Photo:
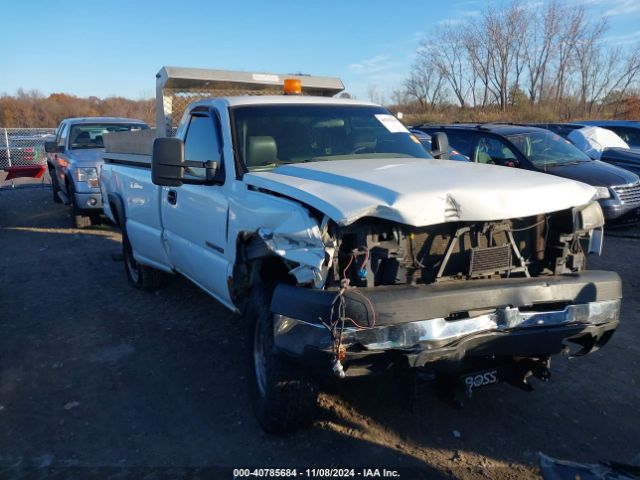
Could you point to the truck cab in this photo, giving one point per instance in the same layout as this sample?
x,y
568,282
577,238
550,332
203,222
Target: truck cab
x,y
74,159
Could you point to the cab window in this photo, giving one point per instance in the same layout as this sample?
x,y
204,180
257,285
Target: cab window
x,y
62,135
201,144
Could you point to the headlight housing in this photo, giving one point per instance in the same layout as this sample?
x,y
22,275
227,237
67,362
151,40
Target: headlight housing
x,y
89,175
588,217
602,193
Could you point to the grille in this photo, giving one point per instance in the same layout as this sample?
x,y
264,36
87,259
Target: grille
x,y
628,194
490,260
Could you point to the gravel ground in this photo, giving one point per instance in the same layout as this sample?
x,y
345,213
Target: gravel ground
x,y
100,380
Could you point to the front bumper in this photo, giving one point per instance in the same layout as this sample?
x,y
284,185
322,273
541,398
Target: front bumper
x,y
90,202
616,213
451,323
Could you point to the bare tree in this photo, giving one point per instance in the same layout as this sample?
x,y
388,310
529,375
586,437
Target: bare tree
x,y
593,68
572,25
540,47
448,53
477,50
627,75
525,54
375,95
504,30
425,82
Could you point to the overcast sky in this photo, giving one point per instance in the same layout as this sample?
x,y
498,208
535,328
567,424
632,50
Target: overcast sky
x,y
116,47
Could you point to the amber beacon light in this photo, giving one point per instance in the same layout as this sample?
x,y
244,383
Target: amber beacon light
x,y
292,86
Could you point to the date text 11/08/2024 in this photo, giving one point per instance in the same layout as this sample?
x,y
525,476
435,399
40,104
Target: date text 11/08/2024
x,y
315,473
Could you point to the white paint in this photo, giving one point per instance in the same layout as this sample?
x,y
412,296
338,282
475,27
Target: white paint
x,y
593,140
391,123
286,99
421,192
265,77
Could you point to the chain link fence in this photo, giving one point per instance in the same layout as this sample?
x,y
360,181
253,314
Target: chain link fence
x,y
21,148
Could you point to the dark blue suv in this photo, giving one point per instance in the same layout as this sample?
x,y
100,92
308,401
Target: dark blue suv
x,y
540,150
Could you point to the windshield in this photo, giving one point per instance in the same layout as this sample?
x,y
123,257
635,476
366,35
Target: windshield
x,y
546,149
272,135
89,135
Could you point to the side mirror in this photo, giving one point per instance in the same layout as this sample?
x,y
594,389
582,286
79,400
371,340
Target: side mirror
x,y
168,165
440,145
51,147
167,162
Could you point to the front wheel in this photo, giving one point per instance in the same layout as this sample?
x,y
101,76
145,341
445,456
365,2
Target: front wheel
x,y
80,220
55,187
284,398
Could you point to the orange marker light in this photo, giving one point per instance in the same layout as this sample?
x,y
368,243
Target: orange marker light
x,y
292,86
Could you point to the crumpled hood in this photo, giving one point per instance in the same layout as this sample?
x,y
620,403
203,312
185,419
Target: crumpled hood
x,y
421,192
86,157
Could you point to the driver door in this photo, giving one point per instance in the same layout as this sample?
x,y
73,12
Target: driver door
x,y
195,216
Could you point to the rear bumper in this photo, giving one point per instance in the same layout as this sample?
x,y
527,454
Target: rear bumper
x,y
451,324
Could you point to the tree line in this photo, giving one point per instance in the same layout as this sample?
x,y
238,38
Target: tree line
x,y
550,61
32,109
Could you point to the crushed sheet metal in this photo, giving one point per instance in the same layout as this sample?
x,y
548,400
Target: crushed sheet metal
x,y
293,335
302,244
287,230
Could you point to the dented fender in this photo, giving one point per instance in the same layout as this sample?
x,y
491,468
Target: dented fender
x,y
288,230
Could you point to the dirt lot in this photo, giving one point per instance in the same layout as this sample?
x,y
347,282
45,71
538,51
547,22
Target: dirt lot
x,y
100,379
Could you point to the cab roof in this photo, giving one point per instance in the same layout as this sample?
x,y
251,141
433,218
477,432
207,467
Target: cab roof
x,y
104,120
284,100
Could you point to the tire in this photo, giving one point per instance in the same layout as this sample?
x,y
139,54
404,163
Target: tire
x,y
283,397
140,276
79,219
55,187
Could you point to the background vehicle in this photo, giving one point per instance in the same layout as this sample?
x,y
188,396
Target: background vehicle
x,y
619,156
562,129
347,250
628,130
23,150
536,149
74,159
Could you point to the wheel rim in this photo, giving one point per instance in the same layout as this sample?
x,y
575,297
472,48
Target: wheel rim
x,y
259,360
132,266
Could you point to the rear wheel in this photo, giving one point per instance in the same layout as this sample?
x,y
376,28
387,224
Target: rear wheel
x,y
140,276
284,398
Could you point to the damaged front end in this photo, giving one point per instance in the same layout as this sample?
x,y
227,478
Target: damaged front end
x,y
443,297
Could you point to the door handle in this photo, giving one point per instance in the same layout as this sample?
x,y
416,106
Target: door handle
x,y
172,197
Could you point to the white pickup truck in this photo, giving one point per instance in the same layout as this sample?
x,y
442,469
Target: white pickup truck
x,y
347,249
